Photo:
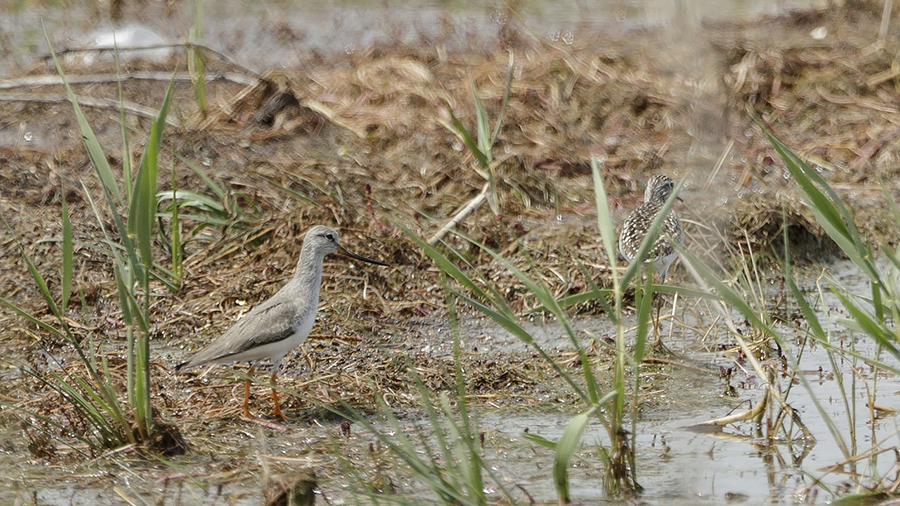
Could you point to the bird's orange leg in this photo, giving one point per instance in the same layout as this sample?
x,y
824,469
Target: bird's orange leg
x,y
277,411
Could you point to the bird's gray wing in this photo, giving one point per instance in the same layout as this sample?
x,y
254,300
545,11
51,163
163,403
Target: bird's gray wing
x,y
268,323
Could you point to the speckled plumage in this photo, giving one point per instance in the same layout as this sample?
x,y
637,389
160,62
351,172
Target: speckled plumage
x,y
639,221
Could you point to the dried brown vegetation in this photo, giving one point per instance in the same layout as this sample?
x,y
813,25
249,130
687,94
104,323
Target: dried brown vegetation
x,y
365,138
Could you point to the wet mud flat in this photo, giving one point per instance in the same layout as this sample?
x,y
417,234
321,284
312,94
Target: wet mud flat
x,y
362,142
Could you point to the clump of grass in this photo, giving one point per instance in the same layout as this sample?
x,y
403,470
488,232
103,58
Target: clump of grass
x,y
109,417
483,143
867,314
871,315
481,146
603,401
444,454
178,208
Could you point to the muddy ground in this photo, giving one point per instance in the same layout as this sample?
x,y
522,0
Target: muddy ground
x,y
363,142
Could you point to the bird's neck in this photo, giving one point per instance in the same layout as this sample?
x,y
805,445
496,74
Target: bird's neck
x,y
658,198
309,270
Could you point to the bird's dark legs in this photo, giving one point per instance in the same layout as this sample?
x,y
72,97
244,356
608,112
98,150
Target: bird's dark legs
x,y
658,299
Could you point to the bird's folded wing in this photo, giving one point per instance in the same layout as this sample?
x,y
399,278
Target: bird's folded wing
x,y
269,323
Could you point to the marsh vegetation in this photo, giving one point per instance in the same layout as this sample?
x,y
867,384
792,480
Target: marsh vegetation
x,y
510,358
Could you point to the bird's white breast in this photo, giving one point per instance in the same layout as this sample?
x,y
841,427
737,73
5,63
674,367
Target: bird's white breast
x,y
302,328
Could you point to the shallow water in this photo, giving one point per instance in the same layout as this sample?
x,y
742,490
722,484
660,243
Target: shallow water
x,y
263,35
679,464
676,464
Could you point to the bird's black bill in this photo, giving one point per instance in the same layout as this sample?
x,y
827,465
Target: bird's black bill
x,y
360,257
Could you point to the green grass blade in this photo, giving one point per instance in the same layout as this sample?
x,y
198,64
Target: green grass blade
x,y
545,297
84,404
455,272
818,333
604,218
141,219
400,445
504,316
873,327
143,207
827,207
892,255
541,440
39,281
126,152
92,398
43,288
431,413
165,276
68,261
187,198
727,293
214,187
515,329
812,319
468,465
809,180
876,289
565,450
467,454
175,244
91,144
61,429
485,145
644,302
202,220
889,198
127,244
578,298
32,319
142,406
127,302
601,295
63,329
196,67
480,156
482,126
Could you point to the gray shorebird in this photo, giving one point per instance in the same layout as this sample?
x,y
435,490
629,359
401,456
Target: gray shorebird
x,y
636,227
281,323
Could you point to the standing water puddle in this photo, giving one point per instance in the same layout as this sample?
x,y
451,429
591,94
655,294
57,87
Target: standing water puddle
x,y
681,463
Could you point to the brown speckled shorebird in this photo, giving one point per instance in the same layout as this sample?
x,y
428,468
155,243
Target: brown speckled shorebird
x,y
635,228
281,323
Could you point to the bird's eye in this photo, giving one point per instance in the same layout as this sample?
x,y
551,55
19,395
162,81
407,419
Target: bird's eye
x,y
330,237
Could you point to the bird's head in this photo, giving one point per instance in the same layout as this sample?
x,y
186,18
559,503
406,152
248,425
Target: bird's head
x,y
323,240
659,188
